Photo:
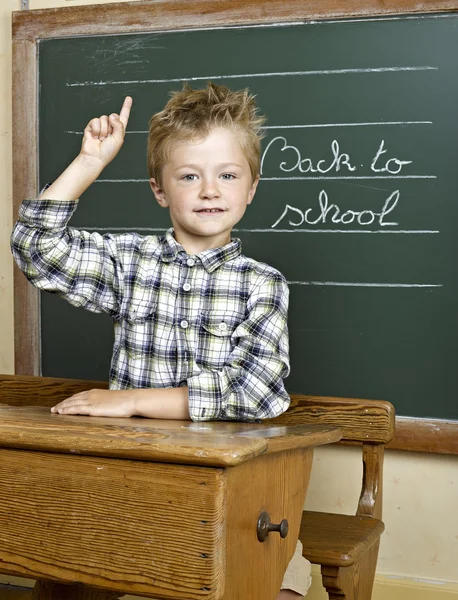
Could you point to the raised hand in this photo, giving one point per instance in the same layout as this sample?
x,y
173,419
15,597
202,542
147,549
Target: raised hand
x,y
102,140
104,136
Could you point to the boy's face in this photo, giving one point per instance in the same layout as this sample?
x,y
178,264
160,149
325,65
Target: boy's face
x,y
207,186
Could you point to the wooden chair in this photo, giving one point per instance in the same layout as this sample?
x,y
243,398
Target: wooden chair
x,y
346,546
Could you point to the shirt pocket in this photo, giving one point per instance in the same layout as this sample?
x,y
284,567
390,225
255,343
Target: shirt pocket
x,y
139,329
215,340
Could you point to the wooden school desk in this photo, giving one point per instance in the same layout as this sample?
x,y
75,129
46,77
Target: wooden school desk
x,y
164,509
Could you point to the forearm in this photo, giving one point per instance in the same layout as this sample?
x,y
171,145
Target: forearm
x,y
75,180
161,403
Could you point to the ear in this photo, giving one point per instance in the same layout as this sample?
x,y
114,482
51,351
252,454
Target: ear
x,y
159,193
252,191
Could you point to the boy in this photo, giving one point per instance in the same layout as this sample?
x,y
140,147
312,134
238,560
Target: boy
x,y
200,329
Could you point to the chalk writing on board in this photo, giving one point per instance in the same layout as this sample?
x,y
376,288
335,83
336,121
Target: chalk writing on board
x,y
337,164
339,159
295,161
392,165
334,214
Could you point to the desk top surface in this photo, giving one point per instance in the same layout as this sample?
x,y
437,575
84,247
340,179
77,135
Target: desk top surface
x,y
210,443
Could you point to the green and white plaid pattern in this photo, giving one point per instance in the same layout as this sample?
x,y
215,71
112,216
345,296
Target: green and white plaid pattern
x,y
216,322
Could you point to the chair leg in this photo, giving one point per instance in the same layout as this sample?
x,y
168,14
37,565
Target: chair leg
x,y
352,583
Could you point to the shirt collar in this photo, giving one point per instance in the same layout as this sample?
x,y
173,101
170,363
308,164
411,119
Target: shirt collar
x,y
210,259
170,247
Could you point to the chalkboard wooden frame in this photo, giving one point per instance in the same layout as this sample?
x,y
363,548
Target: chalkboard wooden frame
x,y
425,435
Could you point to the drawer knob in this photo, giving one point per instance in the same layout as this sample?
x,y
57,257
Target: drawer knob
x,y
265,526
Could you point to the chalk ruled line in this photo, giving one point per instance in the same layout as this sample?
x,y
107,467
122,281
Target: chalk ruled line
x,y
367,285
306,126
369,124
347,177
407,231
253,75
270,230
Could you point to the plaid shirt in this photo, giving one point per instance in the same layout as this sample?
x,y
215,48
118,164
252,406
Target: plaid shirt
x,y
216,321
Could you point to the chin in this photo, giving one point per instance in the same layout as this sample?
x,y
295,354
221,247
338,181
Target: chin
x,y
211,229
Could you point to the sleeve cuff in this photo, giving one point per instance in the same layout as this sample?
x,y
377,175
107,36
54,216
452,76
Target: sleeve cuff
x,y
204,396
47,214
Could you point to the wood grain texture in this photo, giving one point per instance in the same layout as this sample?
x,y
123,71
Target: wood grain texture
x,y
425,435
371,497
212,443
141,528
25,185
25,390
359,420
352,583
349,415
337,540
278,485
280,439
269,457
346,546
178,14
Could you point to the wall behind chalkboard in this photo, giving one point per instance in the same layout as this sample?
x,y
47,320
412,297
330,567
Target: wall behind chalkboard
x,y
358,199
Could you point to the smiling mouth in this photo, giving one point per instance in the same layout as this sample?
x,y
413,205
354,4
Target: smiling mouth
x,y
208,211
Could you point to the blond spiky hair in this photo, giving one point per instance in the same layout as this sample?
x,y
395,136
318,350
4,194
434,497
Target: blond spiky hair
x,y
193,114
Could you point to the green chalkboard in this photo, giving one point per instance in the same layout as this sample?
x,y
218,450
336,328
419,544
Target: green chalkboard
x,y
358,203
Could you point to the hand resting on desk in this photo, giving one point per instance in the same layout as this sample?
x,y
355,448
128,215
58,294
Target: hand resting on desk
x,y
162,403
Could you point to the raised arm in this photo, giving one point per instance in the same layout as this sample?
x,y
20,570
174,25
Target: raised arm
x,y
80,266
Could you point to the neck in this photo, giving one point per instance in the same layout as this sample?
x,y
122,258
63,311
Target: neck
x,y
195,245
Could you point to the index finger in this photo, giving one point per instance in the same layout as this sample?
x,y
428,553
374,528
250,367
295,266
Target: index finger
x,y
125,111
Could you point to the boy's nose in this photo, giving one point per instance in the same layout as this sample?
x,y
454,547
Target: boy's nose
x,y
209,189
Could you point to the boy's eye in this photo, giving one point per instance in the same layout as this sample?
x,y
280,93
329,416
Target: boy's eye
x,y
189,177
228,176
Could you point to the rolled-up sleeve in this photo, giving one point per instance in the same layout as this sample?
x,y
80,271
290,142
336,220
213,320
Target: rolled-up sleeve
x,y
78,265
250,385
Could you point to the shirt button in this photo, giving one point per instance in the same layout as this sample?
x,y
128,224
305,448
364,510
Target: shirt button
x,y
222,326
190,262
184,324
187,287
